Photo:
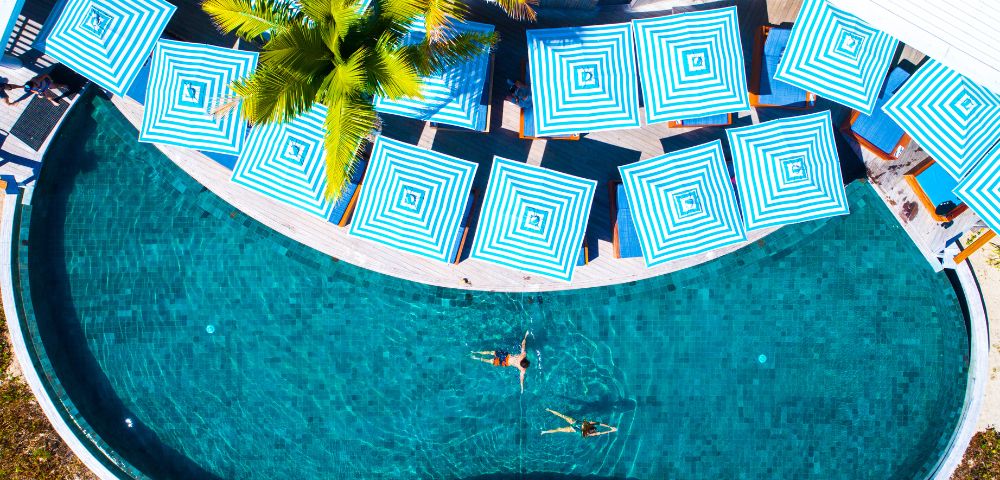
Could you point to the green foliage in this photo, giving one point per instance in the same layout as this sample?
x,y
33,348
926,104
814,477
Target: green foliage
x,y
333,53
982,458
29,448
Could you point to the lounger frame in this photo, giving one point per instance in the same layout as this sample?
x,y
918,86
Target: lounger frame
x,y
755,70
353,202
911,179
612,190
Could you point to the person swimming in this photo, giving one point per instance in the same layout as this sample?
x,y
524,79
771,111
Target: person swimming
x,y
586,428
501,358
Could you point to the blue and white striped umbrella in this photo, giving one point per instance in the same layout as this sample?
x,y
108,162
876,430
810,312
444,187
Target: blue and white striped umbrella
x,y
533,219
683,203
413,199
787,171
836,55
186,82
452,96
286,162
691,65
980,190
955,120
582,79
107,41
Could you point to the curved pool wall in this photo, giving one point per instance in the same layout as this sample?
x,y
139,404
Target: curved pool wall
x,y
864,371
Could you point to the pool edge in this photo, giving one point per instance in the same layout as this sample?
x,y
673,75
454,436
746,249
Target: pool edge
x,y
25,360
979,349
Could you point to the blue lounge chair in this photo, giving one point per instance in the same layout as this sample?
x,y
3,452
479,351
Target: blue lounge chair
x,y
877,132
462,234
526,131
625,238
720,120
344,207
934,187
765,91
584,258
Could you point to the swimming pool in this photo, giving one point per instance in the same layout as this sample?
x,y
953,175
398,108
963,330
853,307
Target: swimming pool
x,y
199,344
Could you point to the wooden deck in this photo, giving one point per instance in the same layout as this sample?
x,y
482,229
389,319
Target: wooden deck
x,y
595,156
17,159
930,235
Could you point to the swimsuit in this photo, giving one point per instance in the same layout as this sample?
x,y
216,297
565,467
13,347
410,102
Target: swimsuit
x,y
42,87
501,359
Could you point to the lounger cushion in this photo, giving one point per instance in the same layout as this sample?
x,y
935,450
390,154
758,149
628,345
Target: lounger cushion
x,y
340,206
937,184
720,119
628,238
774,92
878,128
457,249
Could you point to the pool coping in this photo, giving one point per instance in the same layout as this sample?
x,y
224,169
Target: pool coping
x,y
979,350
22,352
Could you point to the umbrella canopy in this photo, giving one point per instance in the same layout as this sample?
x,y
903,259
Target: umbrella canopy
x,y
691,65
787,171
582,79
955,120
286,162
107,41
980,190
533,219
186,82
452,96
837,55
413,199
683,203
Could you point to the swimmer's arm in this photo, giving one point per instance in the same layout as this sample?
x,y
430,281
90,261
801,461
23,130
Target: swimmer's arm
x,y
522,381
610,429
524,343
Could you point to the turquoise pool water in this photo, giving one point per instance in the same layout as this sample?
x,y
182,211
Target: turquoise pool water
x,y
827,350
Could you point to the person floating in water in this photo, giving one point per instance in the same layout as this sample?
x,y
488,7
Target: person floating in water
x,y
587,428
500,358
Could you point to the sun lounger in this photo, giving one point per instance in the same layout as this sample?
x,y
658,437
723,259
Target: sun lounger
x,y
462,234
765,91
485,106
878,133
933,187
625,238
720,120
526,129
344,207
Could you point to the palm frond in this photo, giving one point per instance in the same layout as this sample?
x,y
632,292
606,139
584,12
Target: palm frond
x,y
440,15
429,57
389,71
276,94
401,12
348,123
249,19
340,14
299,47
518,9
346,80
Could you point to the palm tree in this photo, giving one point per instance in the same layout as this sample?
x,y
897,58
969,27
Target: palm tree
x,y
336,53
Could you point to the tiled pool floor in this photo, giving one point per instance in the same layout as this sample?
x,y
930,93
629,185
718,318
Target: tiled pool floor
x,y
827,350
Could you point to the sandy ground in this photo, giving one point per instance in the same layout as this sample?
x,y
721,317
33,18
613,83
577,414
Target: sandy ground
x,y
989,283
